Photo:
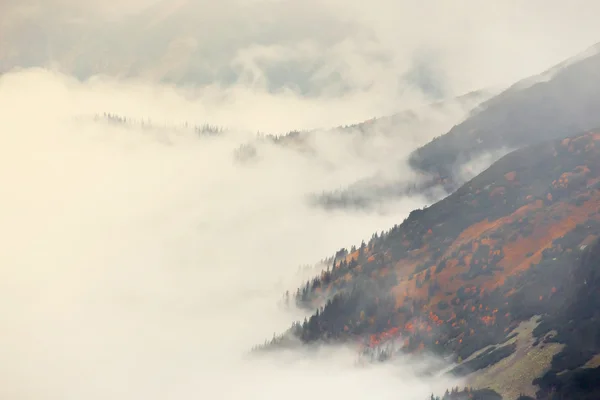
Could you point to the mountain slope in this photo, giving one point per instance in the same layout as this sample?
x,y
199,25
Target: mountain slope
x,y
558,103
466,272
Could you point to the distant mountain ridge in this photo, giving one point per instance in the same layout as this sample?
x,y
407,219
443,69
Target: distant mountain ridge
x,y
552,105
555,104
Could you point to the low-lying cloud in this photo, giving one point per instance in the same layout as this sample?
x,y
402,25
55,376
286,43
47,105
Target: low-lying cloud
x,y
139,265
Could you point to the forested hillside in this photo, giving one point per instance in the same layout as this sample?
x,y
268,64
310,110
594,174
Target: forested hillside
x,y
508,247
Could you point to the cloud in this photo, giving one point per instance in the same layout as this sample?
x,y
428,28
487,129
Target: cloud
x,y
469,169
145,264
383,52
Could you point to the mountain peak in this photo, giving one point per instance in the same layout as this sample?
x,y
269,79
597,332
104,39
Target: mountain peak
x,y
550,73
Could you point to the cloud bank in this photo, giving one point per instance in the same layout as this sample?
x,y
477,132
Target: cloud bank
x,y
145,264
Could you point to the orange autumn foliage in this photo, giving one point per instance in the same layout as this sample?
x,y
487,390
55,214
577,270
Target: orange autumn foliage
x,y
513,243
515,254
510,176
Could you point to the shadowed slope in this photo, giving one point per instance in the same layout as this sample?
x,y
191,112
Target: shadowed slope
x,y
558,103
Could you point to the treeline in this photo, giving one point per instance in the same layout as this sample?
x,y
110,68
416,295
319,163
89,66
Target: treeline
x,y
116,119
348,315
341,263
468,394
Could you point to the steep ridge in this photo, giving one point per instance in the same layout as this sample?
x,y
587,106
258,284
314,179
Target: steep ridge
x,y
461,277
555,104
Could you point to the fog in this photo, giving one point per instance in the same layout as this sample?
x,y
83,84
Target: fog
x,y
146,263
376,55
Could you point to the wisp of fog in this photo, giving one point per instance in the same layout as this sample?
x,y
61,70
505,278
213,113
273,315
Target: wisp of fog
x,y
140,264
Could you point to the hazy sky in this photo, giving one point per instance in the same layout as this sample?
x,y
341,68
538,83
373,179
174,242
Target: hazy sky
x,y
387,53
